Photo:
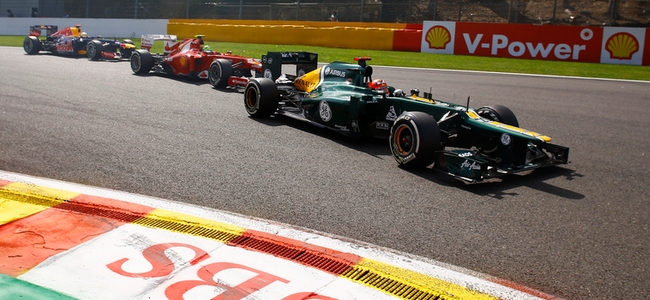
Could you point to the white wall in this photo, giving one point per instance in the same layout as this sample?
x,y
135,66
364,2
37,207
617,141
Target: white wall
x,y
108,28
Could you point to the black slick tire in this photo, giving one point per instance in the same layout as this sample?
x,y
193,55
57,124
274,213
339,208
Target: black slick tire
x,y
219,73
414,139
32,45
261,97
94,50
141,62
498,113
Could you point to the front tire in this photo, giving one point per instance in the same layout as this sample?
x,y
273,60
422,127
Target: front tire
x,y
141,62
219,73
32,45
414,139
261,97
498,113
94,50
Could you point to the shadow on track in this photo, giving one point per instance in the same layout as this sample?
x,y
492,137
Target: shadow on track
x,y
494,188
185,79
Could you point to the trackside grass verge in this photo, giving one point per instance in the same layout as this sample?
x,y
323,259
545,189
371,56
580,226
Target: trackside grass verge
x,y
425,60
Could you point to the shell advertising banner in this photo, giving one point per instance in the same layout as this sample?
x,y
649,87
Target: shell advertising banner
x,y
611,45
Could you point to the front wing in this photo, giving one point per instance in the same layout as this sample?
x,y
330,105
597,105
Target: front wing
x,y
472,167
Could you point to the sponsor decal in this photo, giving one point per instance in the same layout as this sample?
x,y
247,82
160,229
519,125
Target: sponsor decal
x,y
465,154
64,46
466,127
308,85
268,74
622,45
522,131
341,127
586,34
289,54
392,115
238,81
438,37
334,72
382,125
506,139
111,55
325,111
516,48
470,166
571,43
308,82
408,158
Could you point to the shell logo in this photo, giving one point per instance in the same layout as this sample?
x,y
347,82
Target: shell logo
x,y
438,37
622,45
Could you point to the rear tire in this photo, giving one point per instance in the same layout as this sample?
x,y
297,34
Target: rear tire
x,y
261,97
32,45
94,50
498,113
414,139
219,73
141,61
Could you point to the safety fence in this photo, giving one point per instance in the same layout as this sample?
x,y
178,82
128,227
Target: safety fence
x,y
631,13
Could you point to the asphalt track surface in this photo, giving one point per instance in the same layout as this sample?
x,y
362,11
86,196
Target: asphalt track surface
x,y
576,232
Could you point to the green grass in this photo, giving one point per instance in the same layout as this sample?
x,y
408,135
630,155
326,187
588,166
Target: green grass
x,y
426,60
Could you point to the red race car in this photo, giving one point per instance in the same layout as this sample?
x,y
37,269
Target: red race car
x,y
193,58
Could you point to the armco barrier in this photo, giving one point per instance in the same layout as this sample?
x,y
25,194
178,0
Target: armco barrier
x,y
369,36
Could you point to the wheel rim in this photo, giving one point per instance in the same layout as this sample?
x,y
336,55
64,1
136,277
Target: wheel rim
x,y
215,74
91,50
251,99
135,62
28,45
403,139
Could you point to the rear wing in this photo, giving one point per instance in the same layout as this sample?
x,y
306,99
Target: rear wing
x,y
46,30
148,40
272,63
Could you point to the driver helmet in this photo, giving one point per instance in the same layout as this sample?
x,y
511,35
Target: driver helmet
x,y
84,34
206,48
379,85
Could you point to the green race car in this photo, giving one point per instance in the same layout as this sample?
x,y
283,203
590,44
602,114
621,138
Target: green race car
x,y
469,144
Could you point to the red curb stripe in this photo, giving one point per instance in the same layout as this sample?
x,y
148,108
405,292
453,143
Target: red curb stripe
x,y
29,241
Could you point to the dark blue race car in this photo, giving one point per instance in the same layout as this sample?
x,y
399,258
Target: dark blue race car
x,y
72,41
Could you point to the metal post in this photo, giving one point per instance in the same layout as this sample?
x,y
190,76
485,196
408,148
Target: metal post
x,y
87,8
241,8
612,11
434,15
187,9
298,11
271,11
363,4
554,10
135,13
